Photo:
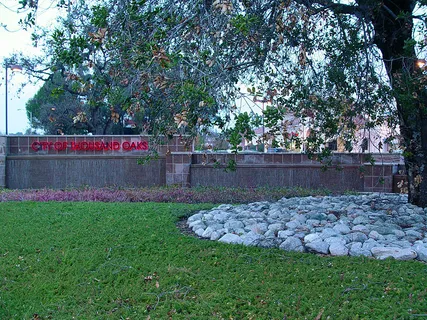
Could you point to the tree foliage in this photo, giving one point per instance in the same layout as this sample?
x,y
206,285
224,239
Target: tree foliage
x,y
54,111
340,66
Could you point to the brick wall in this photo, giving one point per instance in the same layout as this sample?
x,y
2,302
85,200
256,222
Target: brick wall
x,y
73,161
378,178
341,172
178,166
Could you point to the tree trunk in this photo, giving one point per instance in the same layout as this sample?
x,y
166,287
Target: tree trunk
x,y
393,30
415,163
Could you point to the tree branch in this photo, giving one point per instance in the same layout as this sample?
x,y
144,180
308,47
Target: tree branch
x,y
338,8
388,10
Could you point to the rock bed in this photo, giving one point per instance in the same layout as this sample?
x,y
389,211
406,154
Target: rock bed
x,y
373,225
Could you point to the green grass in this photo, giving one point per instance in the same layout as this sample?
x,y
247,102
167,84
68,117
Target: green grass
x,y
129,261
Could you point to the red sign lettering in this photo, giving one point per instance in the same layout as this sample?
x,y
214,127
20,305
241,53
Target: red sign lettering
x,y
35,146
142,145
126,146
89,146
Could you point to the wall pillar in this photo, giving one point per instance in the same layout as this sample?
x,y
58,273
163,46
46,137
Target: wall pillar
x,y
178,168
379,177
3,148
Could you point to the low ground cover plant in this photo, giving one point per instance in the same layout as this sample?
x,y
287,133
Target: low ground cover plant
x,y
159,194
94,260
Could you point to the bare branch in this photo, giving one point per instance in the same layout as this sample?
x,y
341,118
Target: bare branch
x,y
338,8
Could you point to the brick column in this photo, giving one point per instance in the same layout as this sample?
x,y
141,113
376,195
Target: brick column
x,y
379,178
3,150
178,168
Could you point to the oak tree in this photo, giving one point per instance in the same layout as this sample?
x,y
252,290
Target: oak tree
x,y
329,62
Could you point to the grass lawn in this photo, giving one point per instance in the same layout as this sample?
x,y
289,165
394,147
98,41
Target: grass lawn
x,y
76,260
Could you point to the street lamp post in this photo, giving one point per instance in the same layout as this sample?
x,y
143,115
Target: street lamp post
x,y
13,67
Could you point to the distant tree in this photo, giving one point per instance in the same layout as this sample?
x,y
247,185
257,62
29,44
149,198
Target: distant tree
x,y
76,66
54,113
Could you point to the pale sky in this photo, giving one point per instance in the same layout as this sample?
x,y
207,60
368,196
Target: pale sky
x,y
14,40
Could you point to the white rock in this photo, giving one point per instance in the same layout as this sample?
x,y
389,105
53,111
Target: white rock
x,y
301,218
356,250
293,224
360,220
275,227
332,218
221,216
318,247
292,244
361,228
394,252
197,224
285,233
369,244
311,237
231,238
413,234
233,225
328,232
300,235
400,244
421,250
375,235
342,228
338,249
399,233
260,228
225,207
194,217
216,235
207,217
356,237
199,232
335,240
270,234
208,232
251,238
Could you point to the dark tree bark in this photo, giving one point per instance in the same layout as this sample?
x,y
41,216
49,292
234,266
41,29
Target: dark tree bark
x,y
393,26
